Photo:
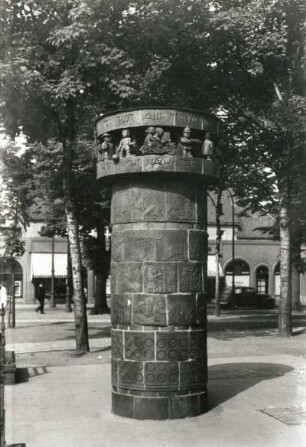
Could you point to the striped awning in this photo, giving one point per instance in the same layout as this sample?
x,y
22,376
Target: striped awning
x,y
41,265
211,266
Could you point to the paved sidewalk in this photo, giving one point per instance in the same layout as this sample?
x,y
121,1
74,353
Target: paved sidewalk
x,y
59,345
256,385
254,402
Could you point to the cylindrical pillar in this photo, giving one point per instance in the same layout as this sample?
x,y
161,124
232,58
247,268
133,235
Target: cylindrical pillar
x,y
158,272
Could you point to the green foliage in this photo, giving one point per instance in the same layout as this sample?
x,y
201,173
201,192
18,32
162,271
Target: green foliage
x,y
258,50
17,185
14,246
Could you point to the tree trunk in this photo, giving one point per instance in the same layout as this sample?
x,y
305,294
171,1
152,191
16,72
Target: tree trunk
x,y
80,316
284,318
101,306
52,298
12,304
101,273
69,287
218,244
295,287
13,296
79,304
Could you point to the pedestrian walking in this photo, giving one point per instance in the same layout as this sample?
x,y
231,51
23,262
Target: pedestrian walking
x,y
40,296
3,296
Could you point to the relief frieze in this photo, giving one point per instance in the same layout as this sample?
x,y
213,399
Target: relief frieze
x,y
147,204
149,310
117,344
128,277
121,206
191,277
171,245
182,310
197,245
180,208
160,277
121,308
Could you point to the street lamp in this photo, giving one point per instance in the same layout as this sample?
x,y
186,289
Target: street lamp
x,y
219,212
52,300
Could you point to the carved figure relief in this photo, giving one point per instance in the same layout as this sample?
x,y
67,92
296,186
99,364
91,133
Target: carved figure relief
x,y
197,245
191,277
171,245
121,207
155,143
149,310
187,144
106,149
160,278
129,277
126,144
148,205
181,208
182,310
207,147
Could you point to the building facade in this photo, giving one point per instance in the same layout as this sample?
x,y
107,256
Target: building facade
x,y
256,258
256,254
35,266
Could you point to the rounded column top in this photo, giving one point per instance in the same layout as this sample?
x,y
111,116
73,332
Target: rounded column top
x,y
157,116
195,167
157,140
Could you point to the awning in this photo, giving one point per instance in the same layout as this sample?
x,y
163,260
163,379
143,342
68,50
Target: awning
x,y
211,266
41,265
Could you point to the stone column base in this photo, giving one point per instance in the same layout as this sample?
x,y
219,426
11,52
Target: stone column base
x,y
159,407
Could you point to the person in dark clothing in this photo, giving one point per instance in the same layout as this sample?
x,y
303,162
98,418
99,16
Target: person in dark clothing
x,y
40,296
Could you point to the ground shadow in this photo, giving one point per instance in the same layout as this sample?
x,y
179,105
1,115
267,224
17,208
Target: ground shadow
x,y
231,325
107,348
227,380
23,375
95,332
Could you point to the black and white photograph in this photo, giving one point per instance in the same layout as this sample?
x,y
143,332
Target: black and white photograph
x,y
152,223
